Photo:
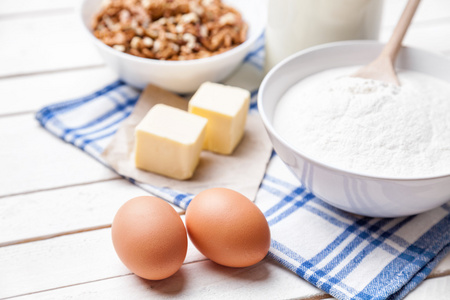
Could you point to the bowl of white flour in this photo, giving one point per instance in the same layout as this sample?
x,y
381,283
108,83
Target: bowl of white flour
x,y
362,145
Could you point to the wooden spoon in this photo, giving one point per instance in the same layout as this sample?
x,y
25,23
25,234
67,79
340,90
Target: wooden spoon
x,y
382,68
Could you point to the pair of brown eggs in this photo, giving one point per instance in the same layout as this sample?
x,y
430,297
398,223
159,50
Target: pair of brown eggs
x,y
225,226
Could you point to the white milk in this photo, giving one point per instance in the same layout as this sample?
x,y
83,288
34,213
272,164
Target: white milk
x,y
368,126
294,25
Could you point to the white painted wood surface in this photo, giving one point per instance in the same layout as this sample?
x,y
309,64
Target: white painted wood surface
x,y
44,43
44,88
33,159
55,215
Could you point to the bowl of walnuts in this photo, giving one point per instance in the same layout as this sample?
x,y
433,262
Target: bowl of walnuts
x,y
177,44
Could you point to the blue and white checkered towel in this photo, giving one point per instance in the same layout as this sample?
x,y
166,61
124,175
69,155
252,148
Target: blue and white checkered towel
x,y
347,256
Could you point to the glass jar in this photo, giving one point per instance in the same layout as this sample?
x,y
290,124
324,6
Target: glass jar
x,y
293,25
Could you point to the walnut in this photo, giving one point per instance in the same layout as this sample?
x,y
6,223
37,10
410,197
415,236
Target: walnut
x,y
169,30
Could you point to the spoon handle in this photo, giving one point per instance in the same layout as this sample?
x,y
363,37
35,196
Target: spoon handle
x,y
394,44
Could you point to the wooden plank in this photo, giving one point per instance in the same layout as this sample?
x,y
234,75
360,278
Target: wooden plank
x,y
62,261
17,7
70,261
57,262
202,280
435,288
30,93
32,159
442,268
44,44
64,210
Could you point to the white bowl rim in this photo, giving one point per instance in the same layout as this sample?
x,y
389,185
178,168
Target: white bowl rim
x,y
271,129
247,43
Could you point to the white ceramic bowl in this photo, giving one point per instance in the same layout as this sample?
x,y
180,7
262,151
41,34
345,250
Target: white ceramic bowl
x,y
350,191
177,76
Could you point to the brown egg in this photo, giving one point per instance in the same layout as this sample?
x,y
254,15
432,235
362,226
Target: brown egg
x,y
149,237
228,228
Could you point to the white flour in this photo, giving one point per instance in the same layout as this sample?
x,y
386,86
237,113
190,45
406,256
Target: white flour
x,y
370,127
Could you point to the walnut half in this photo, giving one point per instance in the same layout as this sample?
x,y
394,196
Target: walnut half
x,y
170,30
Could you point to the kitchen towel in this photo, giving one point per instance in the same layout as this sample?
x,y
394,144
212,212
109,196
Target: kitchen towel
x,y
347,256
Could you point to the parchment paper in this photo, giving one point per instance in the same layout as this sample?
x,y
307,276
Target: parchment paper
x,y
241,171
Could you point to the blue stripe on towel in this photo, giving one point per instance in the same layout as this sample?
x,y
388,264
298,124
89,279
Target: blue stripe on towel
x,y
47,112
113,123
107,115
405,268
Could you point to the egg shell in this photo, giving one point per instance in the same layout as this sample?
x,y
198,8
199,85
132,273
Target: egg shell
x,y
149,237
227,227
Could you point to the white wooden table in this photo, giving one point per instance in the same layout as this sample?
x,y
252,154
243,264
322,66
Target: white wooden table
x,y
57,203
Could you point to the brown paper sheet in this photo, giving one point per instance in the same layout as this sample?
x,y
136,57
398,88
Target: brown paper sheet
x,y
242,171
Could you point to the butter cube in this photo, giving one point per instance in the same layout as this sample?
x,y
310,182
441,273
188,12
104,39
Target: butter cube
x,y
226,109
169,141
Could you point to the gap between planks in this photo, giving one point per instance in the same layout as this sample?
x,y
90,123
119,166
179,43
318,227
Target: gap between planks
x,y
60,234
60,187
93,66
66,286
51,236
64,233
37,14
318,297
437,275
17,7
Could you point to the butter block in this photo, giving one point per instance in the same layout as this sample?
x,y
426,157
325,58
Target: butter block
x,y
169,142
226,109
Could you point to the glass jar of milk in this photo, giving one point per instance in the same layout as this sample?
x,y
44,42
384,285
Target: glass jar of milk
x,y
294,25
